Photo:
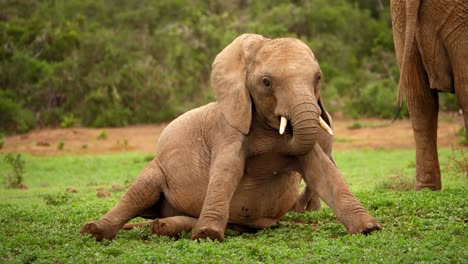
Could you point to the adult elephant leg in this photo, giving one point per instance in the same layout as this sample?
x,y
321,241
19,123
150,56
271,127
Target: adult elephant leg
x,y
143,194
320,172
423,107
457,44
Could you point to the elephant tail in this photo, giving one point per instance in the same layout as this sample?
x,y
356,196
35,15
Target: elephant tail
x,y
411,16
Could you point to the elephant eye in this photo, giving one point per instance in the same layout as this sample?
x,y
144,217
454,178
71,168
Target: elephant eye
x,y
266,82
318,77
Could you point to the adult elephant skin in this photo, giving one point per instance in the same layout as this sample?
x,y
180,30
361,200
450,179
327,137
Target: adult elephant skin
x,y
225,162
431,43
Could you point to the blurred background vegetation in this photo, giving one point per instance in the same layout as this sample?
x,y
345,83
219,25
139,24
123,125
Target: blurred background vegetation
x,y
112,63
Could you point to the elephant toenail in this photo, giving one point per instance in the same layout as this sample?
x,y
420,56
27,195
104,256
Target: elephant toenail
x,y
370,226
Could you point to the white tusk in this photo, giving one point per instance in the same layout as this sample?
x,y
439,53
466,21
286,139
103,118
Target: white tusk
x,y
283,124
325,126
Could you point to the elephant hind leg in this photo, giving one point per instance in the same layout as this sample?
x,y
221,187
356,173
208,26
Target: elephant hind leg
x,y
423,107
308,200
173,226
460,70
242,228
142,195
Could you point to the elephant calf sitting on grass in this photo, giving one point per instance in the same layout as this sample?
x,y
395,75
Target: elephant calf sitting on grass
x,y
225,162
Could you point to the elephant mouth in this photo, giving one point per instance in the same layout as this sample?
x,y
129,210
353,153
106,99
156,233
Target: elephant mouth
x,y
285,126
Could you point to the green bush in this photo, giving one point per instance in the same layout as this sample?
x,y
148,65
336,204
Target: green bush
x,y
61,145
104,110
68,121
376,99
14,118
103,135
14,178
139,62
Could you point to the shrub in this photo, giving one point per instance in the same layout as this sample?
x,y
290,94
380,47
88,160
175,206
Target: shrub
x,y
104,110
355,125
14,178
461,134
398,182
103,135
68,121
56,199
458,162
60,145
14,117
140,63
376,99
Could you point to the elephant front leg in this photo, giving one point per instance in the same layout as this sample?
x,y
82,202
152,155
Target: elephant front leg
x,y
322,175
225,174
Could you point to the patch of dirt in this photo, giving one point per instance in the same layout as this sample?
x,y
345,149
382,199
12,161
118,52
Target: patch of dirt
x,y
367,133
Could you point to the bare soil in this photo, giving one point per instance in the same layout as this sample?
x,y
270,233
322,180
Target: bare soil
x,y
349,134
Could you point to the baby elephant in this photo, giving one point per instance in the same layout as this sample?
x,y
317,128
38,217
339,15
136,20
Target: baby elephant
x,y
240,159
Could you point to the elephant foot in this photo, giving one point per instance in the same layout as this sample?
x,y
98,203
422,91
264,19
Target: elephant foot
x,y
364,225
99,230
161,228
173,226
208,232
430,186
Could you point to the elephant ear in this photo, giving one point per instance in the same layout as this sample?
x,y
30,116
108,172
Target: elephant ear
x,y
229,77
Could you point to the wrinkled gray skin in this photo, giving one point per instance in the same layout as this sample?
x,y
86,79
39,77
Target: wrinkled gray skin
x,y
225,162
431,43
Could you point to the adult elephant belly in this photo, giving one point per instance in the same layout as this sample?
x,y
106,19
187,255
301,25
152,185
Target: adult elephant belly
x,y
267,191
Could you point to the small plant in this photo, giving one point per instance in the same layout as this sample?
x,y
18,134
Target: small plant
x,y
398,182
56,199
60,145
68,121
84,146
461,134
458,162
355,125
15,177
103,135
122,144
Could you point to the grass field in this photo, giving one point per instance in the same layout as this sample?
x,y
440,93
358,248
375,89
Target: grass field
x,y
42,224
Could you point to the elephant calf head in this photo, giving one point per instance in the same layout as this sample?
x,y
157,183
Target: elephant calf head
x,y
281,78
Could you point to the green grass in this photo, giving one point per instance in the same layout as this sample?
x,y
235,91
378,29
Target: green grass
x,y
42,224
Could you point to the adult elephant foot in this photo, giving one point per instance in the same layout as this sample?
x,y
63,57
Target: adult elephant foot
x,y
212,233
100,230
364,225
